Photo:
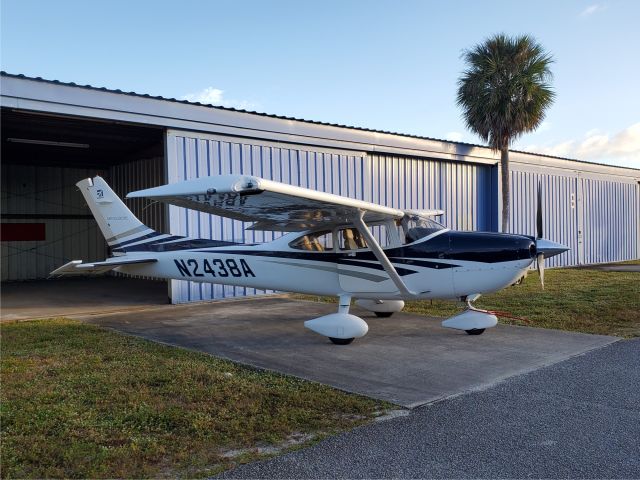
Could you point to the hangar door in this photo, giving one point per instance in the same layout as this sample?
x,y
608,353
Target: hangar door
x,y
596,216
44,221
192,155
464,190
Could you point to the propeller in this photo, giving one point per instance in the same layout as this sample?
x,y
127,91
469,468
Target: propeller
x,y
544,248
540,256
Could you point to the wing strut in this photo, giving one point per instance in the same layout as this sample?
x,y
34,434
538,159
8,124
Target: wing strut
x,y
381,256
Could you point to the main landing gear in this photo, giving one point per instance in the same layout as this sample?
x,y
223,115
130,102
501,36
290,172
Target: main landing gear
x,y
342,327
472,320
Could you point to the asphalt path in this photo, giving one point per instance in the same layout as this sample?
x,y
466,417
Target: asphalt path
x,y
576,419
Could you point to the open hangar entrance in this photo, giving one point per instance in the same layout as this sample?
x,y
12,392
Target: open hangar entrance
x,y
45,221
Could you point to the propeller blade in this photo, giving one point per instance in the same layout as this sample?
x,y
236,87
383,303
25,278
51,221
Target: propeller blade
x,y
540,261
539,212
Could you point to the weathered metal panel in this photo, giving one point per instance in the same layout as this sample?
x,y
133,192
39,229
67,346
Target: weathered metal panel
x,y
596,217
47,195
574,205
191,156
611,218
463,189
559,207
138,175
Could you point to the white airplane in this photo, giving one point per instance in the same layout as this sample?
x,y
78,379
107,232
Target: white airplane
x,y
331,249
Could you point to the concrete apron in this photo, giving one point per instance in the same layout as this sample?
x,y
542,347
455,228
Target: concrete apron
x,y
409,360
78,296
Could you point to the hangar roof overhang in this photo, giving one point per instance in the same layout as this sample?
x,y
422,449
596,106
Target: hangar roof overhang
x,y
25,94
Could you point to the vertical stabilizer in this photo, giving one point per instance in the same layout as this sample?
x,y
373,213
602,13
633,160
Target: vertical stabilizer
x,y
117,223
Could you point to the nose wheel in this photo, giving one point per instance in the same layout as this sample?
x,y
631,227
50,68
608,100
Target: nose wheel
x,y
475,331
341,341
472,320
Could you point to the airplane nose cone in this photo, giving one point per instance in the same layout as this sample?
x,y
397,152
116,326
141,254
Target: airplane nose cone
x,y
549,248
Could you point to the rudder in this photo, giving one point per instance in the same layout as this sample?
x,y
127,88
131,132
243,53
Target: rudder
x,y
117,223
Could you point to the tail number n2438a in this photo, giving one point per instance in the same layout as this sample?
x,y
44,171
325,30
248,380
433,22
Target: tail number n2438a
x,y
214,267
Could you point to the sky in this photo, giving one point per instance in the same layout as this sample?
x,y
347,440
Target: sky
x,y
386,65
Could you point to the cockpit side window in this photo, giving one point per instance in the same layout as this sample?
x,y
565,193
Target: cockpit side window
x,y
314,242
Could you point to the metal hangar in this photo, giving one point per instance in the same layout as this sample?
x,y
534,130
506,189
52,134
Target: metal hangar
x,y
54,134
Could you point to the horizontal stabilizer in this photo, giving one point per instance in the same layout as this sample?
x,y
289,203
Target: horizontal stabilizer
x,y
76,267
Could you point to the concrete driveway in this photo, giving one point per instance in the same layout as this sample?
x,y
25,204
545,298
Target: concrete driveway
x,y
81,295
409,360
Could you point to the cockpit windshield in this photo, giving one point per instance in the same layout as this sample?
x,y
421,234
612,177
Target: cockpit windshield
x,y
416,227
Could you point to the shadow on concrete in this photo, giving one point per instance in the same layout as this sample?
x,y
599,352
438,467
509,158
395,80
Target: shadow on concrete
x,y
73,296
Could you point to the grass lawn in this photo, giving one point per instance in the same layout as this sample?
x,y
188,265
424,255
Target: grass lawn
x,y
83,402
578,300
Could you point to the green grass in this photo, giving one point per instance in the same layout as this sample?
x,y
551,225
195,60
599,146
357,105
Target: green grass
x,y
80,401
578,300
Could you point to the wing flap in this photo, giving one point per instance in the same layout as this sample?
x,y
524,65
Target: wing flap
x,y
76,267
271,205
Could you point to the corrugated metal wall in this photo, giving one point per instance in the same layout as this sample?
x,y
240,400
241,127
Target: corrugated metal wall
x,y
36,194
138,175
463,189
596,218
559,207
192,157
40,194
611,220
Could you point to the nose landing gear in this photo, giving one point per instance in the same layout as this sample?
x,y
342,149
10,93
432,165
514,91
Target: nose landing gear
x,y
472,320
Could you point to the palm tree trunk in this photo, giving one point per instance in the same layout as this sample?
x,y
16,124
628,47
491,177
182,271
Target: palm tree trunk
x,y
506,188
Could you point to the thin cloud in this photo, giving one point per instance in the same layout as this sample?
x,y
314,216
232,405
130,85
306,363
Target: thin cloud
x,y
544,127
454,136
591,9
622,148
215,96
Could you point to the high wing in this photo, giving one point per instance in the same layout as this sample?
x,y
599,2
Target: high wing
x,y
271,205
278,206
76,267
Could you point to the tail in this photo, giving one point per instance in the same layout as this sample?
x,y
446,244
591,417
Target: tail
x,y
118,224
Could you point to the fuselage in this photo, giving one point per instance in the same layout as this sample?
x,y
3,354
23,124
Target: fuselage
x,y
447,264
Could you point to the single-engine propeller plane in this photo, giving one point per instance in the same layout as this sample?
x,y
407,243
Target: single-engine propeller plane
x,y
330,248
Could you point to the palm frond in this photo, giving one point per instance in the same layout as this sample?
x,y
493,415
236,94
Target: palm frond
x,y
505,88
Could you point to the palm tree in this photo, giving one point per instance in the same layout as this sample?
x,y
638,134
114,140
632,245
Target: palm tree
x,y
504,93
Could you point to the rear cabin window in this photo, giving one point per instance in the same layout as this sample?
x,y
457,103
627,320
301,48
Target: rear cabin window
x,y
351,239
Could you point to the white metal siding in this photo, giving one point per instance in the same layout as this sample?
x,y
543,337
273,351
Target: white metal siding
x,y
611,220
191,157
559,207
463,189
46,195
597,218
138,175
